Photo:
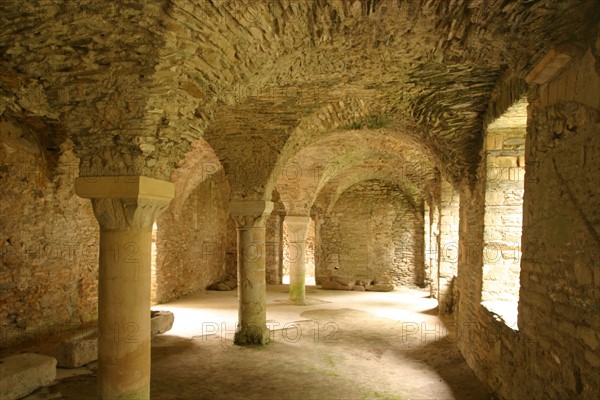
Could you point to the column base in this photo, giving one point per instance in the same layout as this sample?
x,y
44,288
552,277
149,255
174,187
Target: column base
x,y
297,291
140,394
252,335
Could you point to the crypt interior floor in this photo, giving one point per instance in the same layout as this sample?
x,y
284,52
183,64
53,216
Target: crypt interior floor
x,y
342,345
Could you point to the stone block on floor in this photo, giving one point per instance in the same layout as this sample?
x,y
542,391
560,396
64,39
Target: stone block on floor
x,y
231,283
337,283
23,373
380,287
161,322
223,286
80,349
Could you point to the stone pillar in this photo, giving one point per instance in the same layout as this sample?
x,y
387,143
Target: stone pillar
x,y
427,242
126,207
296,227
250,218
448,246
274,248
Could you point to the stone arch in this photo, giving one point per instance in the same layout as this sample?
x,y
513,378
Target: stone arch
x,y
336,153
373,232
198,165
333,190
252,146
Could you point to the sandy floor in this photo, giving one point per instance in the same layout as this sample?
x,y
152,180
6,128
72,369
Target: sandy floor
x,y
343,345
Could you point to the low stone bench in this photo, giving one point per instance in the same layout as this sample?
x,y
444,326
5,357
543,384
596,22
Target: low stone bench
x,y
79,349
380,287
338,283
361,285
24,373
82,347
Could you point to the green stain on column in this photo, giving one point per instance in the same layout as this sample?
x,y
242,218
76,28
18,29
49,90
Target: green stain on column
x,y
297,293
139,394
252,335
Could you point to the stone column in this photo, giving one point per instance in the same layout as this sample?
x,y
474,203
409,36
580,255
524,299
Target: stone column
x,y
126,207
250,218
427,237
296,227
448,246
273,240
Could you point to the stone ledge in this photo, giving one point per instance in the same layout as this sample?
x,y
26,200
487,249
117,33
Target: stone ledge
x,y
348,283
24,373
80,349
380,287
338,282
134,187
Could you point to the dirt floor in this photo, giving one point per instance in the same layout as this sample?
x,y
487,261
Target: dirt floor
x,y
343,345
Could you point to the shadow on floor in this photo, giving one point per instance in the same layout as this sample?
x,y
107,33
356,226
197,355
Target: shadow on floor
x,y
340,349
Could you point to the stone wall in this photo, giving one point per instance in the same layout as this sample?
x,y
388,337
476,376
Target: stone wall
x,y
448,246
274,238
555,351
192,244
373,233
49,239
309,259
431,220
231,248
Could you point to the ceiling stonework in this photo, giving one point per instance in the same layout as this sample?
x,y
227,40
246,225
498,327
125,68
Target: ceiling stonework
x,y
139,87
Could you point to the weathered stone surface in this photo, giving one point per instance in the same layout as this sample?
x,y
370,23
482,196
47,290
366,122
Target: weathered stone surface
x,y
354,112
343,280
24,373
200,221
230,283
331,284
221,286
78,350
380,287
276,266
48,265
250,220
373,231
161,322
445,230
383,278
82,347
555,299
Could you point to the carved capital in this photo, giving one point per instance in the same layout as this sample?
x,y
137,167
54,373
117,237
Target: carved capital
x,y
125,202
250,214
296,226
124,214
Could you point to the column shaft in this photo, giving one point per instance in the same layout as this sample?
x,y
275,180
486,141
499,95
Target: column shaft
x,y
296,227
252,291
250,218
124,314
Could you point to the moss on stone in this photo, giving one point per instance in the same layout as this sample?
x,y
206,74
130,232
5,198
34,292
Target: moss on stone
x,y
369,122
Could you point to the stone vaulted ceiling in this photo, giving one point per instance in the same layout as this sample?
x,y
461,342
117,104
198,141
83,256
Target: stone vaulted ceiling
x,y
162,87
